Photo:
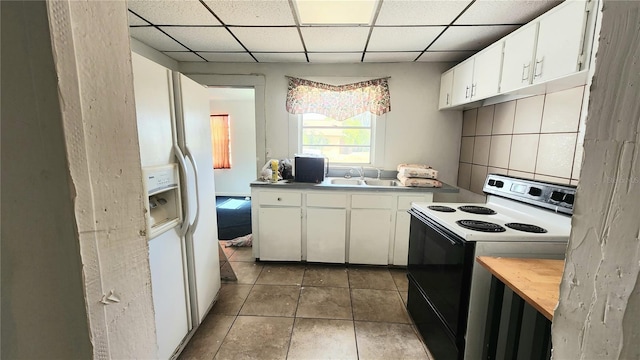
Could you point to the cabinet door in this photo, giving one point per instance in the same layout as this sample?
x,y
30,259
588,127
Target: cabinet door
x,y
446,84
369,236
462,79
401,244
280,233
518,57
326,235
486,73
560,39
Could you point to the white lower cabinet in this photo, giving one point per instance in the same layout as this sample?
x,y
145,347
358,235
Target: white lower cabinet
x,y
369,236
280,234
278,224
326,235
332,226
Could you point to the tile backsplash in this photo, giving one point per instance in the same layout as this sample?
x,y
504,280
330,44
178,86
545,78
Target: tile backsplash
x,y
536,137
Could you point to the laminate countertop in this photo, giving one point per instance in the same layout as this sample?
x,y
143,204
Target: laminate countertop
x,y
336,183
537,281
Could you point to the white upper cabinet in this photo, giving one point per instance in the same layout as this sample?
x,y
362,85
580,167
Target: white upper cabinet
x,y
446,85
560,42
486,72
519,49
478,77
462,81
552,47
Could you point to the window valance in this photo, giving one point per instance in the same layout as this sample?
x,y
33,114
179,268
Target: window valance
x,y
339,102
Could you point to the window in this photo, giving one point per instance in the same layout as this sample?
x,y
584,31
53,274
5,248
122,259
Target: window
x,y
220,141
343,142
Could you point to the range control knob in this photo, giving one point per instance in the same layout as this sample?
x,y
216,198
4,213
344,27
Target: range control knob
x,y
492,182
499,183
568,198
557,196
534,191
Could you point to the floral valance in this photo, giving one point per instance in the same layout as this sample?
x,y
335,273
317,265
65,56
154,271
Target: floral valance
x,y
339,102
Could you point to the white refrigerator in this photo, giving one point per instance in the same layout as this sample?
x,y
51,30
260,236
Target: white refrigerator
x,y
174,132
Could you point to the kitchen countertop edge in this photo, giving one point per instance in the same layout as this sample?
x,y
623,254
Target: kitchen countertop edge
x,y
326,185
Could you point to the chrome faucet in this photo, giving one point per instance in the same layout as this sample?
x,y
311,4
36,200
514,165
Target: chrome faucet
x,y
360,170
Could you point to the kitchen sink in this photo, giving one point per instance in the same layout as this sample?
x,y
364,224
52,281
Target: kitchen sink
x,y
346,182
378,182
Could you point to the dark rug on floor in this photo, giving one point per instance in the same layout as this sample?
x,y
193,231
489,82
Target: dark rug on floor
x,y
234,217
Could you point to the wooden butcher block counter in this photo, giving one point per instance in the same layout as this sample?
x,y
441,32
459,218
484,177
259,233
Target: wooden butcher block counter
x,y
537,281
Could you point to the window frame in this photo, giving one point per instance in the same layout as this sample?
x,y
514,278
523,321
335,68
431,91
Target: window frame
x,y
377,146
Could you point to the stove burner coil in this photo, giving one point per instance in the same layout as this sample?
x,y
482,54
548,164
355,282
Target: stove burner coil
x,y
477,210
480,226
441,208
526,228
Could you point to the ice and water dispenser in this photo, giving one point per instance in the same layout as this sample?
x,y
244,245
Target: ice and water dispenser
x,y
163,204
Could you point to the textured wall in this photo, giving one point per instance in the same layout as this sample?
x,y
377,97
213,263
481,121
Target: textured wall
x,y
93,62
599,309
43,308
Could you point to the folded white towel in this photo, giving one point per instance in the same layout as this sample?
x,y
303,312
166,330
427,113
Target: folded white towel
x,y
417,171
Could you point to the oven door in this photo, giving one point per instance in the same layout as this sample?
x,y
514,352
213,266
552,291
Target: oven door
x,y
441,264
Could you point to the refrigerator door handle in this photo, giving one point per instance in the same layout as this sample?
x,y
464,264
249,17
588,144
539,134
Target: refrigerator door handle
x,y
185,212
189,156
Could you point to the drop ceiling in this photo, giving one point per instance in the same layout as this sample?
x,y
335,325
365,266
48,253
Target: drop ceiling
x,y
269,31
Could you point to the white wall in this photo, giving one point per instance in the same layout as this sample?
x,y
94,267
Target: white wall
x,y
597,316
239,104
415,132
95,84
43,308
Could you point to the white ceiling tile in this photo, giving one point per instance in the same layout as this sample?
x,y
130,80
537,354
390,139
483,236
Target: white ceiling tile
x,y
335,57
470,37
183,56
255,12
269,39
445,56
204,38
423,12
280,57
227,57
390,56
402,38
504,12
327,38
168,12
135,20
155,38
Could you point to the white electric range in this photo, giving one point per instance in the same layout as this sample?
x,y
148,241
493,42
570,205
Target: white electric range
x,y
449,291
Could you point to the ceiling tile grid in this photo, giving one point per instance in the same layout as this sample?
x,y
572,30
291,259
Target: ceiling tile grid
x,y
268,31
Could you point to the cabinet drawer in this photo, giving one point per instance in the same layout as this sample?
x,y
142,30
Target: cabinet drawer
x,y
404,202
329,200
283,198
371,201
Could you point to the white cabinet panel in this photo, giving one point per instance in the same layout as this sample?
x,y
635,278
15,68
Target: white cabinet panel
x,y
326,235
369,236
518,56
462,81
371,201
281,198
280,233
401,244
486,72
446,86
560,40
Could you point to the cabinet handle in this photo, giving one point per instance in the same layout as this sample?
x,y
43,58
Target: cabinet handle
x,y
537,74
466,92
447,99
473,90
279,199
525,72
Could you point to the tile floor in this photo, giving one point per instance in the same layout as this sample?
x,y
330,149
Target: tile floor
x,y
307,311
